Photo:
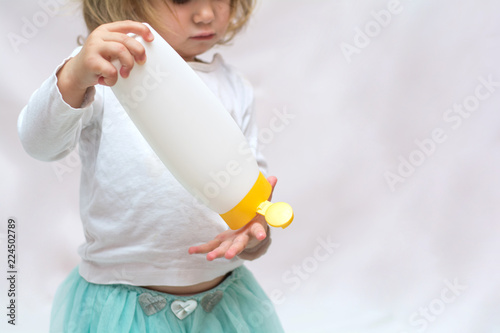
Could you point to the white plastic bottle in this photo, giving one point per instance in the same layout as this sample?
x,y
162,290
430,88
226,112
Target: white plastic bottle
x,y
195,137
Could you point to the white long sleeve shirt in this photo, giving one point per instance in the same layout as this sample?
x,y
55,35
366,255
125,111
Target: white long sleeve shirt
x,y
138,220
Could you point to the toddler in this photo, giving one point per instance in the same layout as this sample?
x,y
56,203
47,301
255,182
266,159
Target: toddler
x,y
154,259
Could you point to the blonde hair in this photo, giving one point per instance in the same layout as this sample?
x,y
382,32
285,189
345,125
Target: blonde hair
x,y
97,12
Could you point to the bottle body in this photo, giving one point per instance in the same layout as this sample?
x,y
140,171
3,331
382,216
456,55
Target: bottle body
x,y
188,127
194,135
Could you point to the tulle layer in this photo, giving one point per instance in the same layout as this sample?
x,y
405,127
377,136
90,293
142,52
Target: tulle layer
x,y
238,304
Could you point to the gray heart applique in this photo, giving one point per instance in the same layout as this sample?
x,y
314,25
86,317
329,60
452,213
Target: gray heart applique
x,y
151,304
209,301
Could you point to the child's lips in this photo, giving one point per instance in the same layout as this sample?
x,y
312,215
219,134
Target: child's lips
x,y
204,36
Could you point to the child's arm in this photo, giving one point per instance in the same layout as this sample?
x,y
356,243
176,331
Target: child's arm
x,y
249,242
50,124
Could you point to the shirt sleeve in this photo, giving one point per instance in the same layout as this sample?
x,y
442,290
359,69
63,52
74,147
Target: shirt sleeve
x,y
250,129
48,127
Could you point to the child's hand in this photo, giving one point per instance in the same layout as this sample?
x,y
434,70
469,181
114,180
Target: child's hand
x,y
92,65
230,243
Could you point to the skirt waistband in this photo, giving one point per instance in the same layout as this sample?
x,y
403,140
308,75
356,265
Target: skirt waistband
x,y
230,278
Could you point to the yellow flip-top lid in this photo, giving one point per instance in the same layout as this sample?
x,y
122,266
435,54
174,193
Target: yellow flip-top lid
x,y
279,214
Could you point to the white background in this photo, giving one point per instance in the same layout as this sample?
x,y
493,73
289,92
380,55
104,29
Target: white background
x,y
352,120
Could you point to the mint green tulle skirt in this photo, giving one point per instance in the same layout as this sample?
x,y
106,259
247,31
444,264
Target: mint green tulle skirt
x,y
238,304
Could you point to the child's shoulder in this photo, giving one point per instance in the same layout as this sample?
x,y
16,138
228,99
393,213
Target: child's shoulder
x,y
224,73
218,66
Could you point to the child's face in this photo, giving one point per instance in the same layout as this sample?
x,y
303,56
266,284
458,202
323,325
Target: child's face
x,y
192,27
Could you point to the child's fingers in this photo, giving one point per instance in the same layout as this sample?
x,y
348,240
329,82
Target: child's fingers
x,y
220,251
113,50
272,180
204,248
133,47
238,245
102,67
106,73
258,231
128,26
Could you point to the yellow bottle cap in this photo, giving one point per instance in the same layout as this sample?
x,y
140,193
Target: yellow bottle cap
x,y
279,214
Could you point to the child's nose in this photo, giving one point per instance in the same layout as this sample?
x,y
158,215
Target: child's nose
x,y
204,12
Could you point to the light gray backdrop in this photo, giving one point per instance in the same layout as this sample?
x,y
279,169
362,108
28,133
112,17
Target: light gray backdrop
x,y
380,120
